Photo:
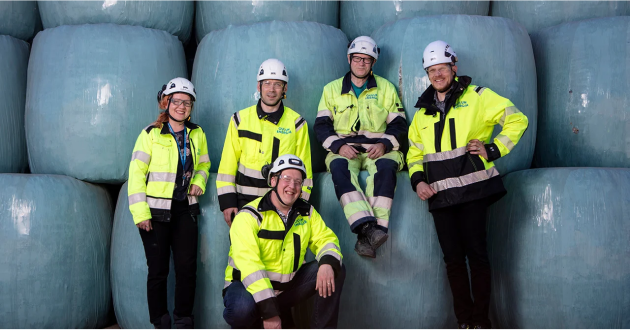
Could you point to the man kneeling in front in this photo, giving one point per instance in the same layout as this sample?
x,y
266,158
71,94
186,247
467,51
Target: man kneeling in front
x,y
269,236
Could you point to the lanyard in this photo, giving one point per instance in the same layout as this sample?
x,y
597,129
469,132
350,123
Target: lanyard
x,y
182,155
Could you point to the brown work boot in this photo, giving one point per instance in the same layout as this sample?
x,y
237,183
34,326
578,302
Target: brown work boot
x,y
364,248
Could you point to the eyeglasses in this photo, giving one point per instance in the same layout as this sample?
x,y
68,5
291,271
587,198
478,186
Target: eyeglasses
x,y
274,85
178,102
441,71
289,180
358,59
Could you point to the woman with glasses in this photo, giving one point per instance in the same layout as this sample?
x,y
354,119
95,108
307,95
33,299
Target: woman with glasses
x,y
168,171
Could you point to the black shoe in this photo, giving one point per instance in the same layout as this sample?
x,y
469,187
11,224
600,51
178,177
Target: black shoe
x,y
479,326
164,322
375,236
184,322
464,326
364,248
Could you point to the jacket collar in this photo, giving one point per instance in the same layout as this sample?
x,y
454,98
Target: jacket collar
x,y
301,206
347,83
187,124
273,117
427,100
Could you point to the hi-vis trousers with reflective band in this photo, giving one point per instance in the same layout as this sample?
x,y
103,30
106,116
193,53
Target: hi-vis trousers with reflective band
x,y
376,203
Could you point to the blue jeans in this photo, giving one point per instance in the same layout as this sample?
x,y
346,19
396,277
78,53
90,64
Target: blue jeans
x,y
240,308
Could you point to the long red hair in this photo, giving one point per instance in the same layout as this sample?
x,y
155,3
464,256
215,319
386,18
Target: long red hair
x,y
163,116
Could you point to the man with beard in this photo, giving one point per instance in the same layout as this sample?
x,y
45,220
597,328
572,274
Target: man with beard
x,y
450,163
257,136
360,122
266,272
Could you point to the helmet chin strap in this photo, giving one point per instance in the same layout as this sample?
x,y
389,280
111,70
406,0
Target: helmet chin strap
x,y
275,189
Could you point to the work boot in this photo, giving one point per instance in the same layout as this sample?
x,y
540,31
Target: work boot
x,y
364,248
163,323
184,322
375,236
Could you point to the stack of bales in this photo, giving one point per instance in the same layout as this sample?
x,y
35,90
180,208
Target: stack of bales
x,y
89,90
557,241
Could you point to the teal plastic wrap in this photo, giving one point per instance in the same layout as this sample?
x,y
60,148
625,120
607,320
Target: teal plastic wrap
x,y
54,252
495,52
227,62
129,270
537,15
91,89
558,245
129,266
19,19
583,78
13,64
174,17
406,286
217,15
359,18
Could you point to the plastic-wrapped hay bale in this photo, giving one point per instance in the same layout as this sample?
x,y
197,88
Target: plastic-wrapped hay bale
x,y
216,15
225,74
54,252
558,244
174,17
495,52
364,17
129,267
19,19
406,285
91,89
13,64
583,78
537,15
129,270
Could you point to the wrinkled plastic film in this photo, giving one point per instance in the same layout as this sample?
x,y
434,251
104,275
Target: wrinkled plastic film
x,y
13,66
174,17
91,90
583,74
54,252
359,18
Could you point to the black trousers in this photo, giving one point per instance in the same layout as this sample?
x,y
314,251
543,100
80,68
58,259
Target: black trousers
x,y
180,236
461,230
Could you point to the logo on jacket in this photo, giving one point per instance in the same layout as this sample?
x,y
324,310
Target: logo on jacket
x,y
299,221
371,97
460,104
282,130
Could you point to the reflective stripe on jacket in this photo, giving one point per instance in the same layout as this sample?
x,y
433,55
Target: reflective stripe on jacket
x,y
437,143
266,254
375,116
255,139
153,171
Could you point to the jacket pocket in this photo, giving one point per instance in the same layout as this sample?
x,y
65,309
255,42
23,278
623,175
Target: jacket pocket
x,y
161,153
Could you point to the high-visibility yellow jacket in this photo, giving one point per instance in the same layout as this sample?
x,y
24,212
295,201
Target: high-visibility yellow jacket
x,y
266,254
153,171
437,143
255,138
375,116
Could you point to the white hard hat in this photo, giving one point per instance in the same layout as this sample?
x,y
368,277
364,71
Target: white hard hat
x,y
438,52
272,69
180,85
364,45
282,163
